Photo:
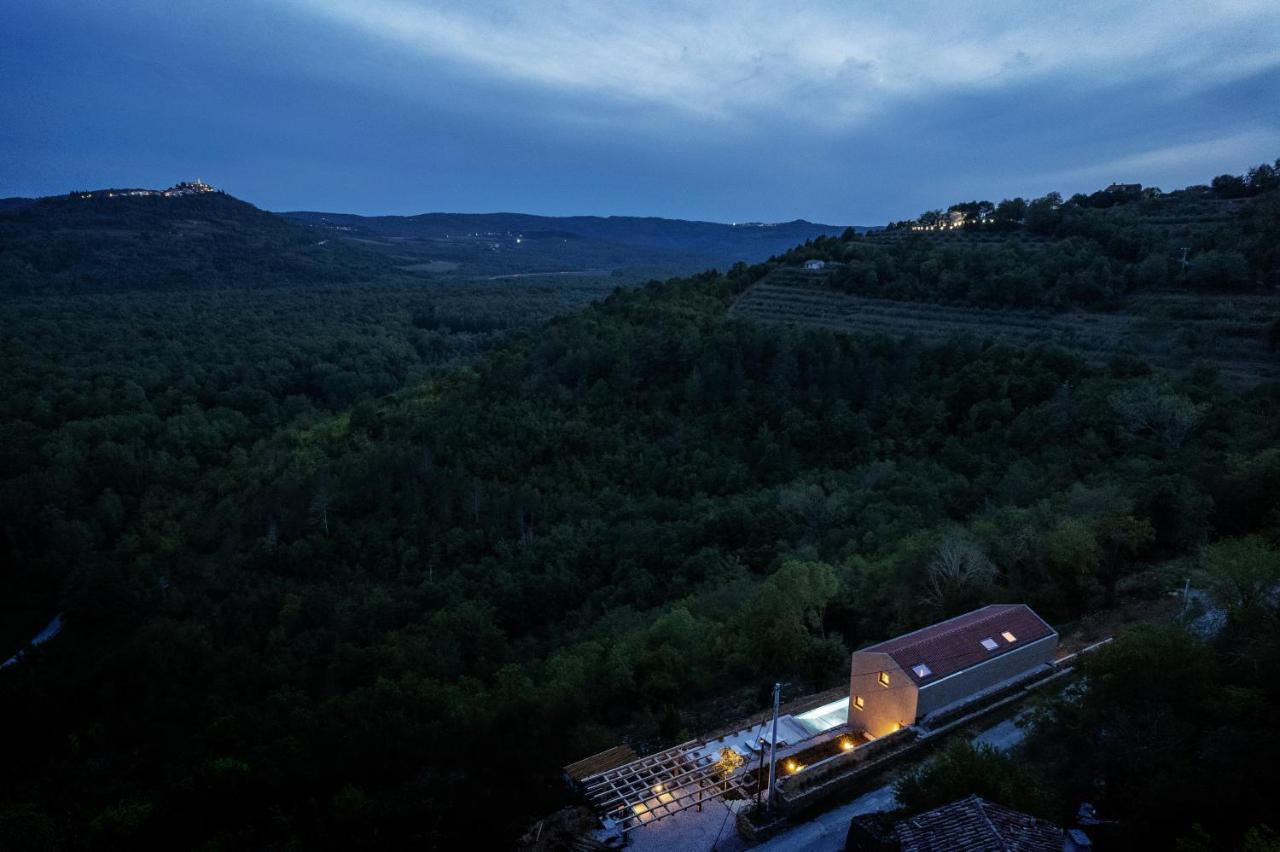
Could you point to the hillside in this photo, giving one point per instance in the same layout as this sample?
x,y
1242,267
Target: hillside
x,y
1176,281
328,581
513,243
104,243
1230,334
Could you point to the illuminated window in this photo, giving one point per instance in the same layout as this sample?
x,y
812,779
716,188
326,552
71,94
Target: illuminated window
x,y
922,670
883,677
989,644
1009,637
858,703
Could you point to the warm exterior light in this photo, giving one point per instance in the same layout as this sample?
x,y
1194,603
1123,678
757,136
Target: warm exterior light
x,y
846,744
658,789
729,761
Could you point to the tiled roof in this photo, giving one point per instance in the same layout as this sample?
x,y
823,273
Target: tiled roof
x,y
956,644
976,825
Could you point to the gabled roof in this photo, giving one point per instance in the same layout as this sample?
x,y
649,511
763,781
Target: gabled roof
x,y
956,644
976,825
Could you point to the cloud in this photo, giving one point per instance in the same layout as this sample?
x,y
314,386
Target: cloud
x,y
834,62
1200,157
840,111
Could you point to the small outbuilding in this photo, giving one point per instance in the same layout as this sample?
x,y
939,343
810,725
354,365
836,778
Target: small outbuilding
x,y
814,264
969,825
896,683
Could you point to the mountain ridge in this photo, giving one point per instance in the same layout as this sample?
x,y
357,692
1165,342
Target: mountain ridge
x,y
514,243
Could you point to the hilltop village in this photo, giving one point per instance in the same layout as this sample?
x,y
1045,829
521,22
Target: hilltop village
x,y
182,189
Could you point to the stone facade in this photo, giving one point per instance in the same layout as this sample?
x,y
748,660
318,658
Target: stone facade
x,y
885,708
897,682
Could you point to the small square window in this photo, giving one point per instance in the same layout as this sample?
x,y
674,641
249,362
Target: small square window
x,y
1009,637
858,703
883,677
990,644
922,670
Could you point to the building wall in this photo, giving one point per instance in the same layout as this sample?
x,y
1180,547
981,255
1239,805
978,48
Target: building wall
x,y
885,708
985,675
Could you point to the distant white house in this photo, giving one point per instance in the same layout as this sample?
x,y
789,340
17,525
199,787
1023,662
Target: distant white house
x,y
814,264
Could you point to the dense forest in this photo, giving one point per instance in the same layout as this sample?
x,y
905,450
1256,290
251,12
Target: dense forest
x,y
327,584
109,401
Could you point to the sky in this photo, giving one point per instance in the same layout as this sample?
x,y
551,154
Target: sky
x,y
835,111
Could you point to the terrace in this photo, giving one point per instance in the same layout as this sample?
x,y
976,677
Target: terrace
x,y
732,766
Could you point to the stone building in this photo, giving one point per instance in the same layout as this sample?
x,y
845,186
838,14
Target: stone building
x,y
899,682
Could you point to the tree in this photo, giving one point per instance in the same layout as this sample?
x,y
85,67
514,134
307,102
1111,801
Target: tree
x,y
1263,178
1144,408
1011,211
963,769
958,576
1245,576
1073,552
1043,215
786,613
1219,270
1122,537
1230,186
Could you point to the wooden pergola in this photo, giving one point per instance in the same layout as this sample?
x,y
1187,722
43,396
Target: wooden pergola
x,y
662,785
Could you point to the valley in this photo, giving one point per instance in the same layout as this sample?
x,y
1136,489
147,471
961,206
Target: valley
x,y
329,514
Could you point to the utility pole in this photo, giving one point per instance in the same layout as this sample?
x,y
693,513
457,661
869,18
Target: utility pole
x,y
1183,261
1186,599
760,772
773,741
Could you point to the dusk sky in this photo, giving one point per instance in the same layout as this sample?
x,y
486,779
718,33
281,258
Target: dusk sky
x,y
831,111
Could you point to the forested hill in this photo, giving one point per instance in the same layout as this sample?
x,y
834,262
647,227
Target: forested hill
x,y
211,240
1092,251
317,595
572,242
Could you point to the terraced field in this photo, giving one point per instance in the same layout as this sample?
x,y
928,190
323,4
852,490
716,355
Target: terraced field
x,y
1236,346
959,239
